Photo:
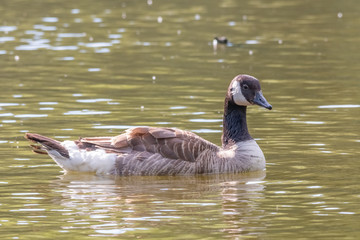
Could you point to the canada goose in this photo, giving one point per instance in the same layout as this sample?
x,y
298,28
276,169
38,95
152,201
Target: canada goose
x,y
167,151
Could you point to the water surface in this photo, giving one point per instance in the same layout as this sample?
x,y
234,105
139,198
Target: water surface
x,y
96,68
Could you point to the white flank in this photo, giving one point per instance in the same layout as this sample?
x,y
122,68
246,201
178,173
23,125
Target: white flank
x,y
238,97
84,161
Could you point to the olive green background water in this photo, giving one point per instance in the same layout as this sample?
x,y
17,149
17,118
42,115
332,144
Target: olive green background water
x,y
95,68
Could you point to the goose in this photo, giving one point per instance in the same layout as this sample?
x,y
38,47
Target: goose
x,y
168,151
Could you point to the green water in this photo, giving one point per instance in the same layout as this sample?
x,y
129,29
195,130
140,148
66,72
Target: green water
x,y
95,68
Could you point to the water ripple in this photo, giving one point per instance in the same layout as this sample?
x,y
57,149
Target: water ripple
x,y
7,28
34,44
67,58
251,42
50,19
44,27
119,231
115,36
340,106
205,131
97,20
102,50
75,11
71,35
177,107
94,69
114,127
30,115
34,32
31,47
6,114
63,48
205,120
93,100
6,39
98,44
48,103
86,112
8,104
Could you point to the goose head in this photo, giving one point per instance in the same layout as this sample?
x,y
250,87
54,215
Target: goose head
x,y
245,90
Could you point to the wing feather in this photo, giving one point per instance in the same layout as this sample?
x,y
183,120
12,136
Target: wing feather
x,y
162,132
169,143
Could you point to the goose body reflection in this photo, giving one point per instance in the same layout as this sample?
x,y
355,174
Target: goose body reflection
x,y
167,151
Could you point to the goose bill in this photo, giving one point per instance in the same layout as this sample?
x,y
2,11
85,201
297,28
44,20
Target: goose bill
x,y
261,101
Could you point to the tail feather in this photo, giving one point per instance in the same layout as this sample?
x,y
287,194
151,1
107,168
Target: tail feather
x,y
38,149
47,144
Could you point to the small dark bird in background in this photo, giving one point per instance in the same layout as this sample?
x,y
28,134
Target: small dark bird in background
x,y
221,40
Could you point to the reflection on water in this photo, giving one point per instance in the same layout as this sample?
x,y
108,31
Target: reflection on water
x,y
113,206
96,68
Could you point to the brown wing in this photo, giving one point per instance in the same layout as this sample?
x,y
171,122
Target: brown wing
x,y
170,143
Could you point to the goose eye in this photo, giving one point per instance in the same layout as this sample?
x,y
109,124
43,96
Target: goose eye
x,y
245,87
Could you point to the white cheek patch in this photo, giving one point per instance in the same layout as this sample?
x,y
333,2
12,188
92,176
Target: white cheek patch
x,y
238,97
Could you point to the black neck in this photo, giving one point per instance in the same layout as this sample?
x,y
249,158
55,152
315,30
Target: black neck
x,y
234,124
